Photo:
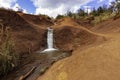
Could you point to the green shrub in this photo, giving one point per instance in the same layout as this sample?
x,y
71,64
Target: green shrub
x,y
102,17
8,56
117,15
60,16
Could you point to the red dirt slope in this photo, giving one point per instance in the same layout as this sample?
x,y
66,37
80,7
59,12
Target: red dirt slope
x,y
96,62
26,36
69,35
101,62
37,20
29,32
108,26
30,35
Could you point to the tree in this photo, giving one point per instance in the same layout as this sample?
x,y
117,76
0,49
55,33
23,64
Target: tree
x,y
100,10
115,6
94,12
81,12
104,7
59,16
69,13
118,5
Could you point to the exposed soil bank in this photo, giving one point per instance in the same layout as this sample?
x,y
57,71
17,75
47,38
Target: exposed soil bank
x,y
29,34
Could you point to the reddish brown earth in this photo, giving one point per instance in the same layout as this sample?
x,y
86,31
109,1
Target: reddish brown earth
x,y
29,32
94,62
70,35
96,52
25,35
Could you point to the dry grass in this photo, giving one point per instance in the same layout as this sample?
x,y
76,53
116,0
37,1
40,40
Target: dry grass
x,y
101,18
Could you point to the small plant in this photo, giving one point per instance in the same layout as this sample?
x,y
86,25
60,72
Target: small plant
x,y
42,71
8,56
60,16
2,8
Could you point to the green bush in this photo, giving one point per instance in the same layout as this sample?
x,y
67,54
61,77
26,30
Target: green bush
x,y
8,56
60,16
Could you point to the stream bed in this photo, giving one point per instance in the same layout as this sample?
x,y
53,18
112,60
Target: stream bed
x,y
41,62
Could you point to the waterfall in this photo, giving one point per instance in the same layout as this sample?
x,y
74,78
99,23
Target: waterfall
x,y
50,38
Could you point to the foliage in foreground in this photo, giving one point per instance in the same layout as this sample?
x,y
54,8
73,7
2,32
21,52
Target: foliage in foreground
x,y
8,56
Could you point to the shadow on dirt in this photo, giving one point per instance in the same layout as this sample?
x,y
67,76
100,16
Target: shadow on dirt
x,y
41,62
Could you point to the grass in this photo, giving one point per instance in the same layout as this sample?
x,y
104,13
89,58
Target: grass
x,y
8,56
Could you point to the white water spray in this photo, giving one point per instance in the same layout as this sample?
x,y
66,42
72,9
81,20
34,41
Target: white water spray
x,y
49,40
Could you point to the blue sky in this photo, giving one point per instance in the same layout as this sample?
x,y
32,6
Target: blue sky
x,y
27,5
52,7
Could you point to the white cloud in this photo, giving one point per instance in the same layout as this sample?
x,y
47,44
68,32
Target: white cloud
x,y
25,11
17,7
51,12
55,7
11,4
110,1
7,3
99,1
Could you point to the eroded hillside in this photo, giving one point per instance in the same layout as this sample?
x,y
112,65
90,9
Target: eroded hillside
x,y
95,62
95,49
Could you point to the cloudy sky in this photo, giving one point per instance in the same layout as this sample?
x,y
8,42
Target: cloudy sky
x,y
51,7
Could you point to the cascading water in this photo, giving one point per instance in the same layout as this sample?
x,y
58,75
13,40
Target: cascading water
x,y
49,40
